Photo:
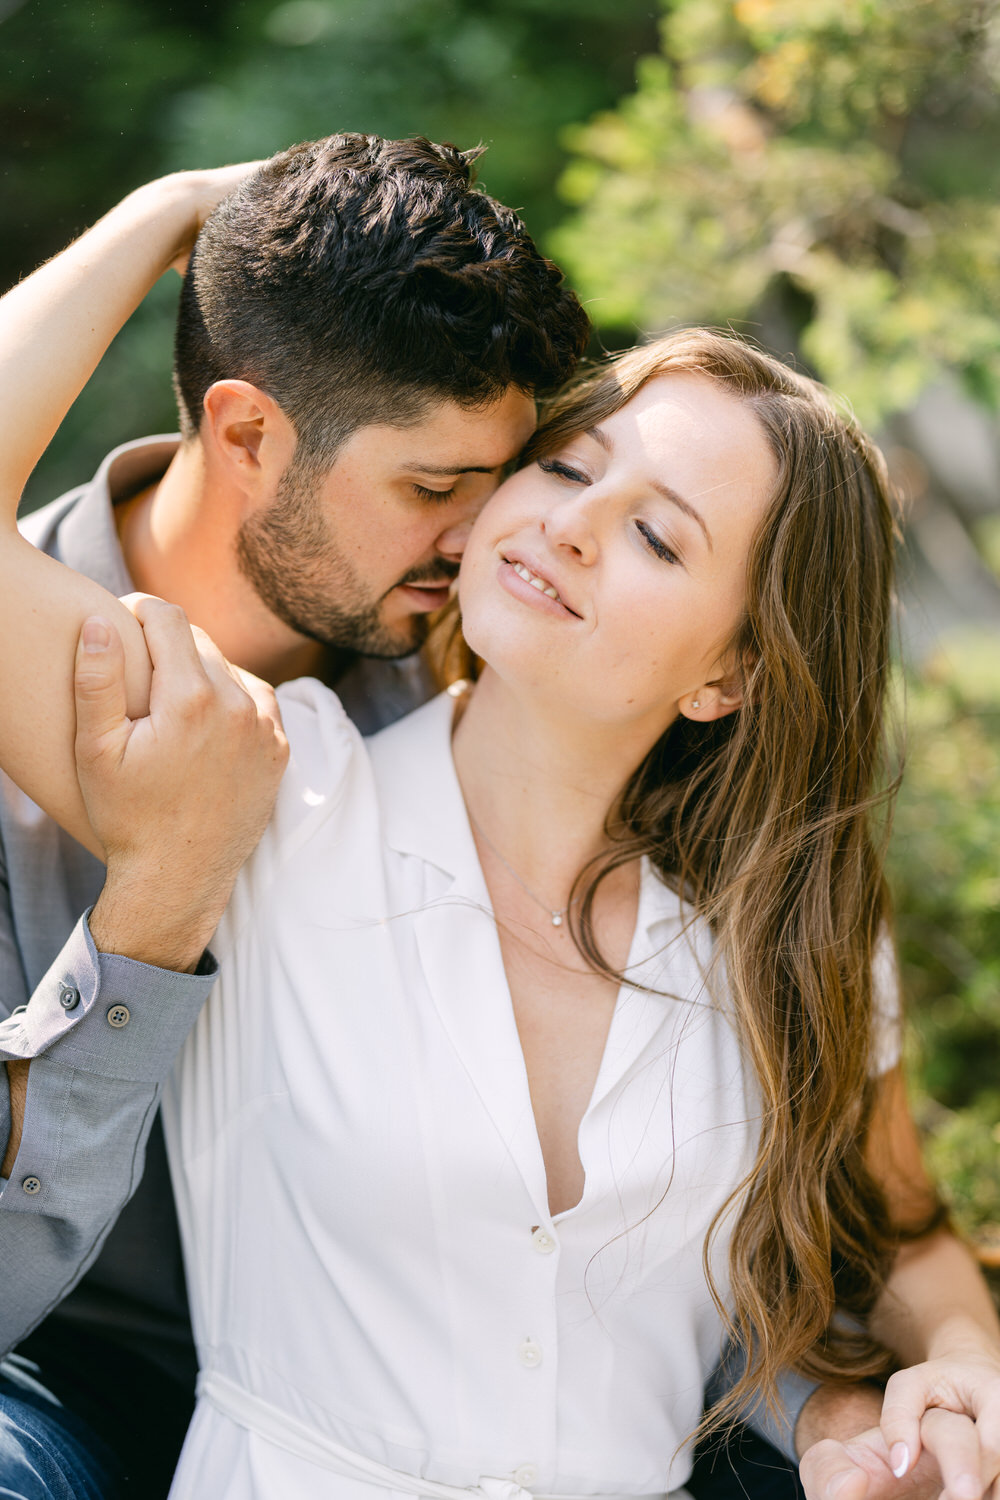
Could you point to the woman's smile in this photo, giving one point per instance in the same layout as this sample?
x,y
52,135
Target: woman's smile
x,y
532,583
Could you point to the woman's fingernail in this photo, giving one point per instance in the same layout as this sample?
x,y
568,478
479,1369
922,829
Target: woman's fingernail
x,y
899,1459
96,636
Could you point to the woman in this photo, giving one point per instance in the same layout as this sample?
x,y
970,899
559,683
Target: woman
x,y
562,985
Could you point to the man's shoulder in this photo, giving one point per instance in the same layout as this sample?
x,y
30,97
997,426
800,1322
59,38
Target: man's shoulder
x,y
79,527
41,527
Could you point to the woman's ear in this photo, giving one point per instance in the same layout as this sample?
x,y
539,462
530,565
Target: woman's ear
x,y
245,432
714,700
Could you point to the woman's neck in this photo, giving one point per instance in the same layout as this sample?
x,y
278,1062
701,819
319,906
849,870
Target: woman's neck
x,y
539,787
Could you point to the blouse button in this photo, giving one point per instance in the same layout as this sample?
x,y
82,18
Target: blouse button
x,y
525,1475
530,1354
542,1241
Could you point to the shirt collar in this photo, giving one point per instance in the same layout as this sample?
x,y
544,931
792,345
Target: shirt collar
x,y
88,538
424,814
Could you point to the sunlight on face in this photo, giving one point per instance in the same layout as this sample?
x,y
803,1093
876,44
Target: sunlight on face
x,y
611,574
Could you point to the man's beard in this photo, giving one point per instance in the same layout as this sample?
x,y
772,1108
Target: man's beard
x,y
293,564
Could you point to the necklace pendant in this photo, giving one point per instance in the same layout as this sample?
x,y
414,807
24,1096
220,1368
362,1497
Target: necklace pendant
x,y
557,919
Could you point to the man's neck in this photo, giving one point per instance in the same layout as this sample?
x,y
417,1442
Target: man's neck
x,y
179,542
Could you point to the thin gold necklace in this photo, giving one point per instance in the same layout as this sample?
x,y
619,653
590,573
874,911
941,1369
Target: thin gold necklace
x,y
558,914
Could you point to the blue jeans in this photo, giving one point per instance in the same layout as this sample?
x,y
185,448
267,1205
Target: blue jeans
x,y
45,1452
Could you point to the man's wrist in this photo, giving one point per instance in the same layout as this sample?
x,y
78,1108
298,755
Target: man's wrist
x,y
136,917
837,1411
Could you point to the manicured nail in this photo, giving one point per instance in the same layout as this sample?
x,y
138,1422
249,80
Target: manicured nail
x,y
96,635
899,1459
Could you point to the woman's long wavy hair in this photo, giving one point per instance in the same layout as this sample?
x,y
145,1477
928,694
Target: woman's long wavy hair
x,y
772,823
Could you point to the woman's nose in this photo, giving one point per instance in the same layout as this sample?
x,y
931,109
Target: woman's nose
x,y
570,524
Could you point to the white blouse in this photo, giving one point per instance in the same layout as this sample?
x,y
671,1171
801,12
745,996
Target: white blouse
x,y
382,1303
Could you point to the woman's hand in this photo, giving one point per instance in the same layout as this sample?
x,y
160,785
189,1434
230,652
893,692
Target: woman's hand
x,y
203,191
952,1465
56,324
965,1381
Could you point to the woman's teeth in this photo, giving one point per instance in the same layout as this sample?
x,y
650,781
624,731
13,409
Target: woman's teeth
x,y
535,581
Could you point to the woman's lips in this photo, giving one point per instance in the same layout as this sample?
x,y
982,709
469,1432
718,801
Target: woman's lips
x,y
539,593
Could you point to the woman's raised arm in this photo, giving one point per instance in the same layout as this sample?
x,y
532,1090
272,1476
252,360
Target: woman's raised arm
x,y
54,328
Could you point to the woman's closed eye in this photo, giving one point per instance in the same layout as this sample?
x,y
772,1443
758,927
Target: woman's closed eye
x,y
656,544
563,470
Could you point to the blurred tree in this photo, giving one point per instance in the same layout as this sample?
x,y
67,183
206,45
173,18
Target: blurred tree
x,y
98,95
824,176
946,885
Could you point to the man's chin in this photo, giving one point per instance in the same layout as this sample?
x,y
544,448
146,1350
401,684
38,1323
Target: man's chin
x,y
390,643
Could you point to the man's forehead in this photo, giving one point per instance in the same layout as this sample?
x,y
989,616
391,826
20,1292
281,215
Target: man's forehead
x,y
452,439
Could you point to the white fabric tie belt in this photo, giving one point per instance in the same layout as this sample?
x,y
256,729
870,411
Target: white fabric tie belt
x,y
296,1437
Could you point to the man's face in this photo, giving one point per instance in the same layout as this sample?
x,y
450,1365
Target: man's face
x,y
359,557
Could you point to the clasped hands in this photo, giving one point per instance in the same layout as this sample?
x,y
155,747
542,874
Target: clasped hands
x,y
935,1434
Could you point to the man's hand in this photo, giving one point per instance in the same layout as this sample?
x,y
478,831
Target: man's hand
x,y
178,799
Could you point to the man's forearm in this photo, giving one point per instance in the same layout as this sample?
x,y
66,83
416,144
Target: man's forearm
x,y
17,1079
136,916
837,1411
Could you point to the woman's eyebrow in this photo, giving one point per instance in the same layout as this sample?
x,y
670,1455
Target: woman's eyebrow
x,y
604,440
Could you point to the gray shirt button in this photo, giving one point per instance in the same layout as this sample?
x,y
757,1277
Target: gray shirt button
x,y
69,996
119,1015
31,1185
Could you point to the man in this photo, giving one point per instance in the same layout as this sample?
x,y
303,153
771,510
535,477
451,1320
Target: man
x,y
360,340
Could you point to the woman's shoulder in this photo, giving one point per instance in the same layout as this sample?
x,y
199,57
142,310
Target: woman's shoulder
x,y
331,766
321,738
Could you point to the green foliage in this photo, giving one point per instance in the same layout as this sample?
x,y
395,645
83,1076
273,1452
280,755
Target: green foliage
x,y
823,175
946,880
100,95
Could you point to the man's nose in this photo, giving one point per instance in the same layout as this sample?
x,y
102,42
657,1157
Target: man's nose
x,y
452,542
453,539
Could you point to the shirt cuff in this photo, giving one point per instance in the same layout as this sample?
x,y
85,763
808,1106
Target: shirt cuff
x,y
105,1014
777,1428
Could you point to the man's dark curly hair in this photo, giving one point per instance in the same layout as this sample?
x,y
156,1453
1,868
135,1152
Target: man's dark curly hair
x,y
358,280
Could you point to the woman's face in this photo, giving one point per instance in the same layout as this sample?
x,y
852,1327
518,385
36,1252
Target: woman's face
x,y
610,574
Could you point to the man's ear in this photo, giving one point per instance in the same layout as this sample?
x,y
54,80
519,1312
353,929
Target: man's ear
x,y
246,433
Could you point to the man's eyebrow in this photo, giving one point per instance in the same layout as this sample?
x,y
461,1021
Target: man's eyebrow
x,y
604,440
445,469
